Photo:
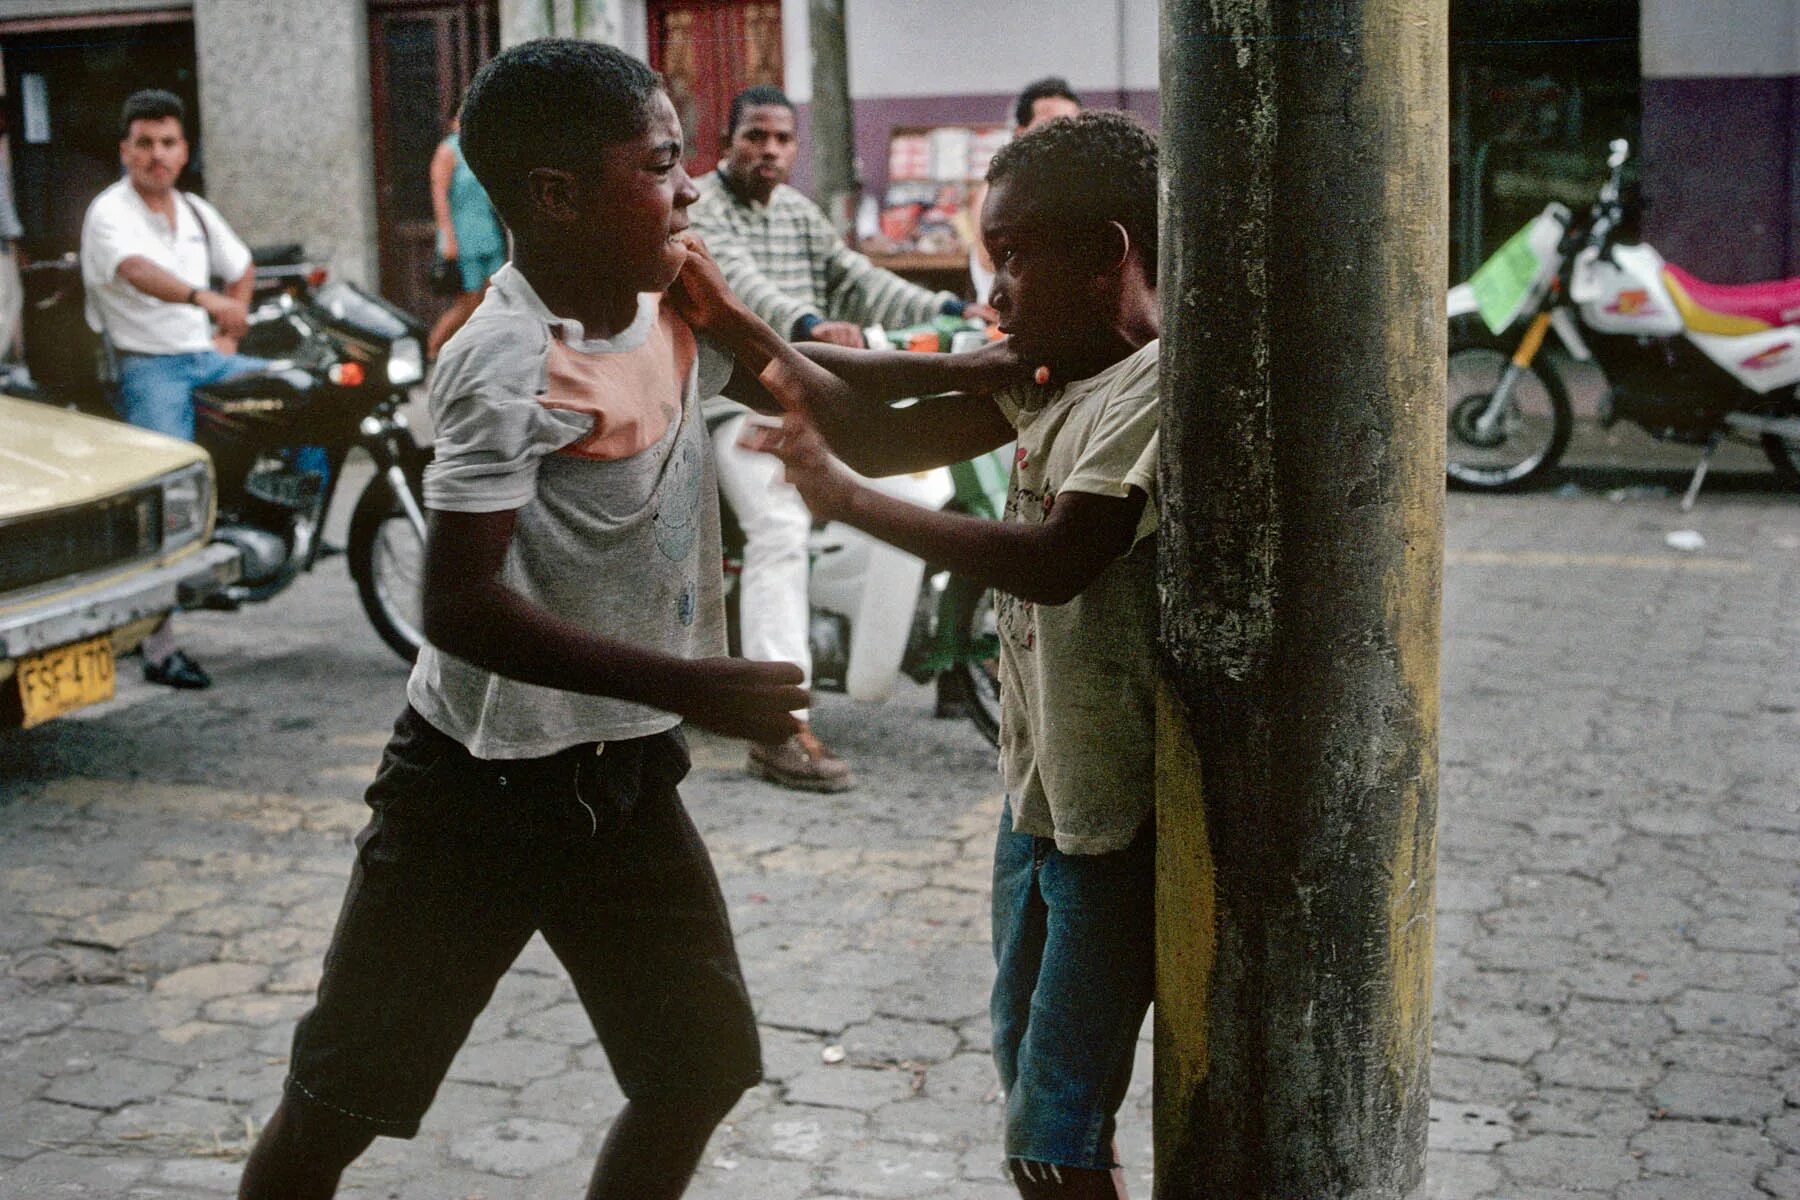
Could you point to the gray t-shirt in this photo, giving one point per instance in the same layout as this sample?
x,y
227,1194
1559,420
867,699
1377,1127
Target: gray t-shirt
x,y
599,446
1078,680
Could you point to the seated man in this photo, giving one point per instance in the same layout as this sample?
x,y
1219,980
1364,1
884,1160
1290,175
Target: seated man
x,y
148,253
780,253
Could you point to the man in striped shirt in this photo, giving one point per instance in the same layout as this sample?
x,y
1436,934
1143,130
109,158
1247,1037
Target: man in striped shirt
x,y
782,257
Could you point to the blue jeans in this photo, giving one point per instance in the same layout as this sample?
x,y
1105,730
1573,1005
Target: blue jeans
x,y
156,391
1074,944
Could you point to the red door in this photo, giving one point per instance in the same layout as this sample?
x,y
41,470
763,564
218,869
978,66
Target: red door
x,y
709,51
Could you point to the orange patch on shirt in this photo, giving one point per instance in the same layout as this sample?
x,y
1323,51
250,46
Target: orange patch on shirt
x,y
633,395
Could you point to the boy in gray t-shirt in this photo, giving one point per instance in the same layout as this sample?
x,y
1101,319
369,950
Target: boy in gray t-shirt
x,y
1071,223
572,606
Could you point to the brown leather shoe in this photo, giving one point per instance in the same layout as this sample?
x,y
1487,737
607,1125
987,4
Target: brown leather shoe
x,y
802,762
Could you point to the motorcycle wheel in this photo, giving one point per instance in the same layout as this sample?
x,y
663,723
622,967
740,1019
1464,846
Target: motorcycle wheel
x,y
1784,456
976,683
1532,437
387,560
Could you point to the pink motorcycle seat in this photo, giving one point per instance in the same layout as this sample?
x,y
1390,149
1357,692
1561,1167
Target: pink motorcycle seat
x,y
1775,302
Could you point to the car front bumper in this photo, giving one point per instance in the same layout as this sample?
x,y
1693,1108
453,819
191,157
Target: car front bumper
x,y
62,619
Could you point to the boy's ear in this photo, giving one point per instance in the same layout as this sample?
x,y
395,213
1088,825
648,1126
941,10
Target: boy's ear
x,y
551,193
1113,248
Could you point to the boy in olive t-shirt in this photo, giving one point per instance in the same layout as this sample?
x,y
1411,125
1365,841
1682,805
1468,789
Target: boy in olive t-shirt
x,y
1071,223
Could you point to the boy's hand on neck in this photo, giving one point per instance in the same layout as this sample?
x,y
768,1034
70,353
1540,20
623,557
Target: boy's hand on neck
x,y
702,296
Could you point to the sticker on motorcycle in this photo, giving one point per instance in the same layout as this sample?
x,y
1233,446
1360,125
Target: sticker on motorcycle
x,y
1767,358
1503,281
1633,302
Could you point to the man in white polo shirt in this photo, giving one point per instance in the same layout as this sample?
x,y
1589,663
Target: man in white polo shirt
x,y
149,253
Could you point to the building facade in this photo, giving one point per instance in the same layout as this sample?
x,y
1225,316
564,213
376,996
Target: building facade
x,y
313,120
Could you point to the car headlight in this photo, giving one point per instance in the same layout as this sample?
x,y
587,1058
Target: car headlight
x,y
186,505
406,362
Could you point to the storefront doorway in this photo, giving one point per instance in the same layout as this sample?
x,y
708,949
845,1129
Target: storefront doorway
x,y
422,54
66,80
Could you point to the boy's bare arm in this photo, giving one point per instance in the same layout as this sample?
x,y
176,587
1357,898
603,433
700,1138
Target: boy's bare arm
x,y
850,407
471,614
1050,563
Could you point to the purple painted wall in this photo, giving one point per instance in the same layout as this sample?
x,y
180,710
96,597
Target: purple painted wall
x,y
877,117
1721,181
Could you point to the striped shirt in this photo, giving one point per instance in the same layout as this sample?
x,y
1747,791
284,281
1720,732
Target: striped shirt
x,y
786,262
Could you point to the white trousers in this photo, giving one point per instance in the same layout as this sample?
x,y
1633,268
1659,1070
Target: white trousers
x,y
773,611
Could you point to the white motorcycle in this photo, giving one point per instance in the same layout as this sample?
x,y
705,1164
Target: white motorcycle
x,y
1689,361
877,612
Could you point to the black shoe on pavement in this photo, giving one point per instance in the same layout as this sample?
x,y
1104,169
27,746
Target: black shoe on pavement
x,y
177,671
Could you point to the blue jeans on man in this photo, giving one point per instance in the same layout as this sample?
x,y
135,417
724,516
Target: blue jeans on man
x,y
156,391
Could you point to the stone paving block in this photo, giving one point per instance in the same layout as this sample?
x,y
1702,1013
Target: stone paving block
x,y
1708,1096
786,1053
1503,1036
518,1147
122,1081
737,1177
236,1081
25,1017
793,1006
893,1041
35,1126
929,1122
845,1086
1468,1079
1573,1163
1663,1187
192,1044
1696,1150
966,1078
885,1170
202,1176
257,1010
565,1024
60,1174
587,1098
1782,1182
1583,1112
802,1132
511,1063
1784,1131
210,981
1468,1128
1460,1176
1700,1010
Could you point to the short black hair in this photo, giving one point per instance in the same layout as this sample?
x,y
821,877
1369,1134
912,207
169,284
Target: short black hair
x,y
150,104
1041,89
753,97
551,102
1088,169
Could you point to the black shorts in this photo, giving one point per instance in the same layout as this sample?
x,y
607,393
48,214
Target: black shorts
x,y
463,860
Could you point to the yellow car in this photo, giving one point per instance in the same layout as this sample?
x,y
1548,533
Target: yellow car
x,y
103,531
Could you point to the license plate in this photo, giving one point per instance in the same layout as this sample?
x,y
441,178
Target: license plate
x,y
65,679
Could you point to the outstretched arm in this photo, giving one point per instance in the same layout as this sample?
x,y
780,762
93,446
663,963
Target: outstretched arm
x,y
1049,563
851,407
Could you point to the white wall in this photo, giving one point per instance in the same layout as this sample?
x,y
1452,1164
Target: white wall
x,y
1720,38
952,47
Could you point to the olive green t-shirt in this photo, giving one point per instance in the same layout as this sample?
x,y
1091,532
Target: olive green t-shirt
x,y
1077,680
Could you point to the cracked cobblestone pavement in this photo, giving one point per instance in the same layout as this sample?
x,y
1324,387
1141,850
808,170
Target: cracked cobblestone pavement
x,y
1618,1007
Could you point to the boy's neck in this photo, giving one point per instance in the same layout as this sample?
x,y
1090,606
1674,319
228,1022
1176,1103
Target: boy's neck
x,y
571,291
1136,324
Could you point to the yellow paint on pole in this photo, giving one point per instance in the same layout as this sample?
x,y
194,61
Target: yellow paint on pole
x,y
1185,929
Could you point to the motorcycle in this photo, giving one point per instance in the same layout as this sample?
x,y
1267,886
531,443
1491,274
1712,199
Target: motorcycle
x,y
1688,361
341,362
878,612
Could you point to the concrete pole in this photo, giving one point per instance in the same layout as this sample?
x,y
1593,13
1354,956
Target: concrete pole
x,y
1303,266
833,125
